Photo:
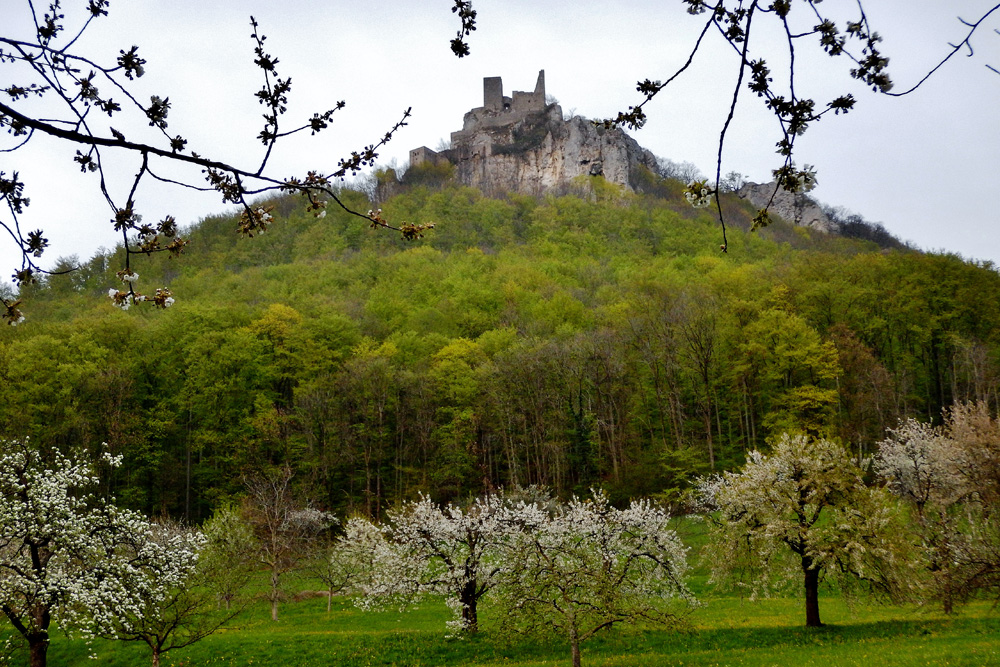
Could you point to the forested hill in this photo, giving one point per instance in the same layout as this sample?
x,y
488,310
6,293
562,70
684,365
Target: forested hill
x,y
598,338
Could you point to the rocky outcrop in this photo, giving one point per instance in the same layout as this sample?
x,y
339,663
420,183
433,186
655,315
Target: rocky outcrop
x,y
795,208
543,151
520,144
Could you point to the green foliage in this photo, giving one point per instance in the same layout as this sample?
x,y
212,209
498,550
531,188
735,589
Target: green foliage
x,y
429,174
571,341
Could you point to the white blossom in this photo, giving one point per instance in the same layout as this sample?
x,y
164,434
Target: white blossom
x,y
587,566
803,508
920,463
428,550
698,194
79,559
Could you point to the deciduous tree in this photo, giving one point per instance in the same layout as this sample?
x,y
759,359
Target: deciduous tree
x,y
175,613
804,512
69,557
285,527
587,566
950,476
425,549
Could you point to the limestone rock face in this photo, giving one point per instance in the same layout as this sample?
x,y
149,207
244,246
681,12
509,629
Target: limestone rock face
x,y
542,152
795,208
521,144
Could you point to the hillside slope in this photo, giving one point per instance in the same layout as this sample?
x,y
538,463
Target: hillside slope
x,y
593,338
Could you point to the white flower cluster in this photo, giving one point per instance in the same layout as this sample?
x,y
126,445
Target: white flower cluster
x,y
501,545
129,276
73,557
698,194
920,463
264,215
807,179
124,300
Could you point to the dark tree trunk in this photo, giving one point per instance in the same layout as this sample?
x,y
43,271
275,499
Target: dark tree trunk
x,y
37,634
470,615
812,593
38,648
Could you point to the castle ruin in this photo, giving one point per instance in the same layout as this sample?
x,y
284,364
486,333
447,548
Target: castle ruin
x,y
523,144
497,111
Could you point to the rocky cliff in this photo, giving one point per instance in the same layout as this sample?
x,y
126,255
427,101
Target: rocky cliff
x,y
521,144
543,151
795,208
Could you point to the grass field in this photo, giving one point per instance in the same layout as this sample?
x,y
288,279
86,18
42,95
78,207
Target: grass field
x,y
723,631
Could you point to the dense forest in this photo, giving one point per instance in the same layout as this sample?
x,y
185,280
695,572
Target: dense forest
x,y
597,338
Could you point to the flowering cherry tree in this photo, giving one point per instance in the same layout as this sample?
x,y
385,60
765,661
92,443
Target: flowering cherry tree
x,y
173,615
803,513
425,549
950,476
586,566
67,556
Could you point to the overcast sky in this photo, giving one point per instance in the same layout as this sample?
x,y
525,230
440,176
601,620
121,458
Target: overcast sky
x,y
925,165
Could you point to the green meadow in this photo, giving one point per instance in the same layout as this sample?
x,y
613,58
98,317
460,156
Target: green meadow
x,y
724,631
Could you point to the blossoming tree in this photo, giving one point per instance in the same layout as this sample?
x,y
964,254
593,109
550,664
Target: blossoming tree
x,y
173,615
950,477
68,556
587,566
425,549
804,510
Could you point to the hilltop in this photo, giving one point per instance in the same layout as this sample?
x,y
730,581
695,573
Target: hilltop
x,y
523,144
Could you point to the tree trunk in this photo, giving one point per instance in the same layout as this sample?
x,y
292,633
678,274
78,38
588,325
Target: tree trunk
x,y
812,593
470,615
708,433
274,594
38,647
156,657
948,601
574,643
